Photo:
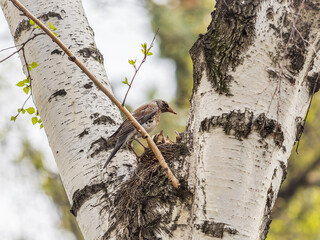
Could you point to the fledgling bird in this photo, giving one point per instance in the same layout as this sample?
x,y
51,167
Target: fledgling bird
x,y
148,115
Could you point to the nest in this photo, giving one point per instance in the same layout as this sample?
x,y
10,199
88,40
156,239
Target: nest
x,y
141,207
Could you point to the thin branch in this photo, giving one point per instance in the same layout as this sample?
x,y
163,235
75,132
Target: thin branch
x,y
137,69
22,46
133,121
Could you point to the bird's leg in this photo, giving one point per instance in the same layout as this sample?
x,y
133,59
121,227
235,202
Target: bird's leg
x,y
132,149
140,143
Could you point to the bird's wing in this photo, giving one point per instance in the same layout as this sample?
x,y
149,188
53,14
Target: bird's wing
x,y
142,114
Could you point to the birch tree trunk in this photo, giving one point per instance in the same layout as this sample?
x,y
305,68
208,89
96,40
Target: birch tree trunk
x,y
77,117
255,71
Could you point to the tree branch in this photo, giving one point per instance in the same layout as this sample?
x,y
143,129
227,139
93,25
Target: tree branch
x,y
133,121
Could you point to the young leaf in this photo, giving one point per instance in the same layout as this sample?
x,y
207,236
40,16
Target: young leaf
x,y
34,65
143,51
34,120
39,120
21,83
41,125
125,81
132,62
26,89
144,46
13,118
30,110
23,110
29,68
52,27
149,53
56,34
38,27
31,22
27,80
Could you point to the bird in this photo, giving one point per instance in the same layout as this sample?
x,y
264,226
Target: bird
x,y
148,115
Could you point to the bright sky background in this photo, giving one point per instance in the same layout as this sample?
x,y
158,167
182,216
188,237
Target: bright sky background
x,y
120,27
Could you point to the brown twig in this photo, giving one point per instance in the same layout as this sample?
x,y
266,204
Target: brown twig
x,y
133,121
22,46
137,69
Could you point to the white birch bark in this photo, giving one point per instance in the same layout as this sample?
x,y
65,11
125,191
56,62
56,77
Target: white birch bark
x,y
239,135
236,168
77,117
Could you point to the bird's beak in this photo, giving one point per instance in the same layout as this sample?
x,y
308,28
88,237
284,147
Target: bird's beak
x,y
171,110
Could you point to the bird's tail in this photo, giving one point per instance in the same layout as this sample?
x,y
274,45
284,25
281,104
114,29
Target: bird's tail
x,y
119,144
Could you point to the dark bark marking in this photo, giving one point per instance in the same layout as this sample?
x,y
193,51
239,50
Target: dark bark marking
x,y
265,226
88,85
240,124
300,128
313,83
82,195
24,25
101,145
266,127
222,52
93,52
104,120
133,205
85,132
57,51
215,229
284,171
235,123
94,115
60,92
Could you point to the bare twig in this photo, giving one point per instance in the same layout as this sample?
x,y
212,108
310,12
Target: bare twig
x,y
22,46
133,121
137,69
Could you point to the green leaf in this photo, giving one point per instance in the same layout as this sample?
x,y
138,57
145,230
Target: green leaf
x,y
144,46
13,118
31,22
27,80
29,68
34,65
143,51
30,110
56,34
26,89
132,62
23,111
39,120
38,27
34,120
52,27
149,53
41,125
21,83
125,81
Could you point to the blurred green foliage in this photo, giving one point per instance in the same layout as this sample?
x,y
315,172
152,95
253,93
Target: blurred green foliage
x,y
52,186
180,23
